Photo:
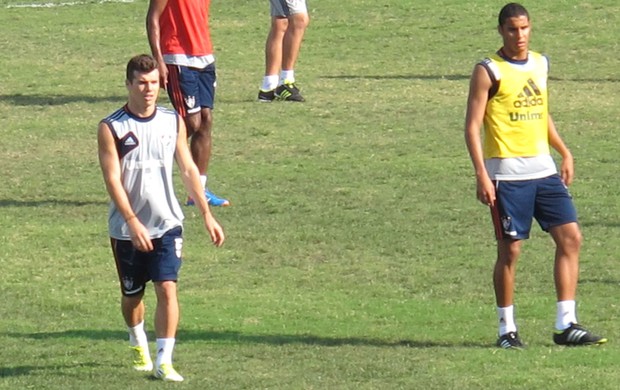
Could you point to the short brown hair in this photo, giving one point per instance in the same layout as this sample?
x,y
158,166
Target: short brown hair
x,y
142,63
511,10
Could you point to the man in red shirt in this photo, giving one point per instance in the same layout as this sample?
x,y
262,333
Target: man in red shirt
x,y
178,33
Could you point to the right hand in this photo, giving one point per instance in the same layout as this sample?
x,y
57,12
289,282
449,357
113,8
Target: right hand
x,y
163,75
140,237
485,191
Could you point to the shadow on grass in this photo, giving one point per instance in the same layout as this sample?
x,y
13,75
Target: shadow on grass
x,y
232,337
49,202
6,372
400,77
609,224
613,282
57,100
456,77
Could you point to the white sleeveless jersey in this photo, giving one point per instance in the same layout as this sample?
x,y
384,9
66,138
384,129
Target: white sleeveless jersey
x,y
146,148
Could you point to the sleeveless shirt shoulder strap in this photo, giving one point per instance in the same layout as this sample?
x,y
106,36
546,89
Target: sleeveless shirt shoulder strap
x,y
494,74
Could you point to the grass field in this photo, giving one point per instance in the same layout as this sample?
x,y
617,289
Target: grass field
x,y
357,255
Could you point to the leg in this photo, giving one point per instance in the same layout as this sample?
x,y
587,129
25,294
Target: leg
x,y
273,46
199,128
568,240
167,311
133,309
166,323
508,252
293,38
133,313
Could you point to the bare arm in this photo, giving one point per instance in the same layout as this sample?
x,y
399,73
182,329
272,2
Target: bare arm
x,y
110,166
479,87
567,169
191,180
153,31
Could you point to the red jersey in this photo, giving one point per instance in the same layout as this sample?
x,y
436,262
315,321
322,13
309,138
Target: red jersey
x,y
184,28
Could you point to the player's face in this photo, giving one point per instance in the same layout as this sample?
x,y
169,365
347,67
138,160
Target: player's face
x,y
515,33
144,88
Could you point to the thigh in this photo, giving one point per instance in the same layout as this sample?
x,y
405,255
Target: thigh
x,y
131,266
183,89
297,7
515,208
279,8
207,81
165,259
554,204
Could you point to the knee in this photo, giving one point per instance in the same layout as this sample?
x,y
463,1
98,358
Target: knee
x,y
166,290
508,254
278,26
132,301
572,242
206,121
300,21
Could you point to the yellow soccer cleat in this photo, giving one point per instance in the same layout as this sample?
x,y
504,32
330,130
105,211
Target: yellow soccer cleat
x,y
167,373
141,359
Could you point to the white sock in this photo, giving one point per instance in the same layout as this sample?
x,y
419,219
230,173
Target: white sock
x,y
164,351
137,335
287,76
506,319
565,315
203,181
269,82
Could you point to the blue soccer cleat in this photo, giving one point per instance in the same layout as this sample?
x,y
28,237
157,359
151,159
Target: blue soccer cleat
x,y
211,198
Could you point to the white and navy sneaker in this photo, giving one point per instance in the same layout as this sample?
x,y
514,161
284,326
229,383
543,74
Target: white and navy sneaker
x,y
510,340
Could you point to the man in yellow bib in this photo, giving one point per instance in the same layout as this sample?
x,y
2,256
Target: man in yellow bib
x,y
517,177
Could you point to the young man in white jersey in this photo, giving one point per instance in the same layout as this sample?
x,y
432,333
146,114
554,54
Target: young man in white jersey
x,y
516,176
137,147
289,19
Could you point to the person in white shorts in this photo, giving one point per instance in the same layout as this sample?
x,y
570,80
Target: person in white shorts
x,y
289,19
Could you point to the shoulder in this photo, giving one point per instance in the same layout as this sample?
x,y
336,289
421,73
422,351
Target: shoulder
x,y
166,110
540,58
115,116
110,122
492,67
164,113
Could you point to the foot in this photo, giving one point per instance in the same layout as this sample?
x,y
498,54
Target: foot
x,y
167,373
212,199
141,359
510,340
289,92
575,335
266,96
215,200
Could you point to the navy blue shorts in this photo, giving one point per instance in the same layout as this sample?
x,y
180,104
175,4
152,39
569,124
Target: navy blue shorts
x,y
547,200
136,268
191,89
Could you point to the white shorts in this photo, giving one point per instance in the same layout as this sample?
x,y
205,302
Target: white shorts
x,y
288,7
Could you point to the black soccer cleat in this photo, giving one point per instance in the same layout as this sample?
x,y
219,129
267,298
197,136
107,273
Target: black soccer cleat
x,y
266,96
289,92
510,340
576,335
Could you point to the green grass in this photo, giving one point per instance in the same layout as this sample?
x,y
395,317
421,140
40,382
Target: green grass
x,y
357,255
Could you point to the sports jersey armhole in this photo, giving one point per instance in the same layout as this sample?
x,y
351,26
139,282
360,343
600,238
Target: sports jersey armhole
x,y
546,61
108,123
494,74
